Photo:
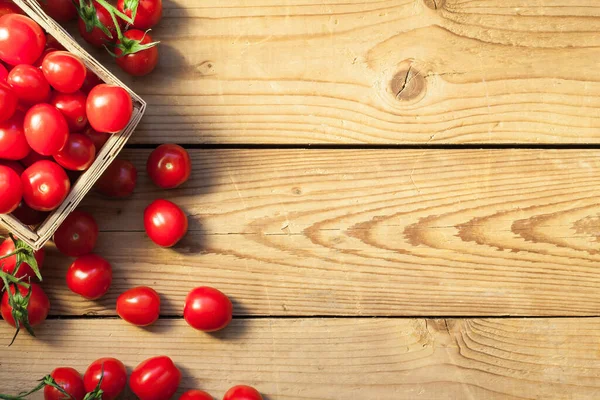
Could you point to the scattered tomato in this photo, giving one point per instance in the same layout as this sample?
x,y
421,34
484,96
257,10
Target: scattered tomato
x,y
195,395
13,143
138,63
9,263
113,374
99,138
148,13
37,308
90,32
11,189
169,166
69,380
118,180
46,129
22,40
89,276
29,84
207,309
64,71
156,378
109,108
165,223
77,235
78,154
60,10
242,392
45,185
8,102
72,107
139,306
28,215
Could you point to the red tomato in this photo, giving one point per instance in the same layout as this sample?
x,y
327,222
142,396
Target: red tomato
x,y
89,276
72,107
13,143
169,166
64,71
195,395
40,61
3,73
113,374
45,185
99,138
28,215
22,40
9,263
78,154
148,13
8,7
37,308
109,108
156,378
60,10
29,84
91,81
11,189
242,392
69,380
32,158
165,223
14,165
8,102
118,180
46,129
142,62
77,235
94,35
207,309
139,306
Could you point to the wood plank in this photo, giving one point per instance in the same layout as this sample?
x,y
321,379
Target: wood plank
x,y
382,232
342,71
337,358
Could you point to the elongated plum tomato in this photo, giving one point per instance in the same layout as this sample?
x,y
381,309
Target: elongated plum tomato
x,y
59,10
72,107
148,12
77,235
25,270
139,306
89,276
156,378
118,180
78,153
69,380
165,223
242,392
139,63
29,84
8,102
13,143
207,309
11,189
37,308
46,129
22,40
109,108
195,395
45,185
169,166
113,374
64,71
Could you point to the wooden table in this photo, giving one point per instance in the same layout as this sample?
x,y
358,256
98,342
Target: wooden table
x,y
400,197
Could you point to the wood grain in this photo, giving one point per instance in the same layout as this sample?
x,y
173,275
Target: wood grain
x,y
337,358
339,71
381,232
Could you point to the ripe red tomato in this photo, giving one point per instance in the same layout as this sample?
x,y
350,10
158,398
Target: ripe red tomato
x,y
32,158
91,81
72,107
169,166
156,378
77,235
46,129
8,102
139,306
78,154
69,380
60,10
28,215
37,308
45,185
13,144
40,61
142,62
207,309
165,223
11,189
109,108
9,263
94,35
148,13
99,138
29,84
113,374
8,7
22,40
64,71
242,392
195,395
118,180
89,276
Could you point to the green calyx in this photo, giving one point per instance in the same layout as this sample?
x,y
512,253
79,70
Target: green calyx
x,y
128,46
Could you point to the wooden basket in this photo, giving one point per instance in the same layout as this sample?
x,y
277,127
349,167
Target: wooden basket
x,y
38,236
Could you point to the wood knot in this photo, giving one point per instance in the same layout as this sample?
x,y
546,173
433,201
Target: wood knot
x,y
408,84
435,4
297,191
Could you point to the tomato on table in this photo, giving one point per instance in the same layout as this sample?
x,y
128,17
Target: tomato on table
x,y
132,59
11,189
109,108
165,223
69,380
64,71
89,29
72,107
45,185
139,306
78,154
89,276
13,143
118,180
113,374
29,84
9,263
169,166
242,392
207,309
77,235
59,10
156,378
195,395
149,12
8,102
22,40
37,307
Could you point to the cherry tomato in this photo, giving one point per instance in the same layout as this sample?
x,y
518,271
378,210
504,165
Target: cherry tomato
x,y
14,165
60,10
113,374
13,143
64,71
148,13
8,102
95,36
99,138
8,7
46,129
37,308
3,73
109,108
89,276
69,380
142,62
165,223
77,235
156,378
40,61
195,395
29,84
11,189
207,309
169,166
91,81
28,215
9,263
22,40
118,180
139,306
45,185
242,392
78,154
32,158
72,107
